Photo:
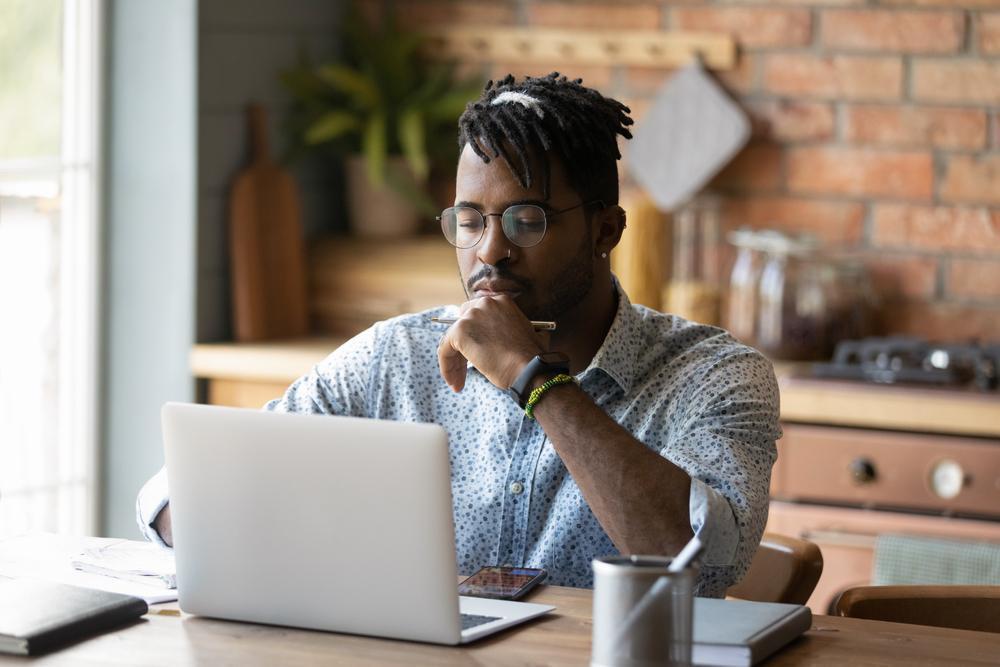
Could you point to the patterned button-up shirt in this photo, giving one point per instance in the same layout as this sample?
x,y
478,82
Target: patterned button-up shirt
x,y
687,391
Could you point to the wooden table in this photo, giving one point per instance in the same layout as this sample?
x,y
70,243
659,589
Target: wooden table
x,y
166,636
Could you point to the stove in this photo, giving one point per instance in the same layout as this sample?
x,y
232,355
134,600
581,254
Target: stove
x,y
908,360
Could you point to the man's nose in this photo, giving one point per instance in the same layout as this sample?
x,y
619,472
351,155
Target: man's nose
x,y
494,246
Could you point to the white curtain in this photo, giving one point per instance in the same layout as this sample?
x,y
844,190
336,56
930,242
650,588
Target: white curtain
x,y
49,280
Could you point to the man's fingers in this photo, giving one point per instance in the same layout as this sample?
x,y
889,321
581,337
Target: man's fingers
x,y
453,364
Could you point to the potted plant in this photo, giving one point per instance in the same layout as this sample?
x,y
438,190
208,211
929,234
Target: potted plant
x,y
389,112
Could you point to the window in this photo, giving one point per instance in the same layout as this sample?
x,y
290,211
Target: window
x,y
49,259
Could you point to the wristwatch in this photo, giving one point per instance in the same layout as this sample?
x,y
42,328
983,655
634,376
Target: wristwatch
x,y
550,362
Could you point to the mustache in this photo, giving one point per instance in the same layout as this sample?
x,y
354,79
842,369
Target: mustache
x,y
498,272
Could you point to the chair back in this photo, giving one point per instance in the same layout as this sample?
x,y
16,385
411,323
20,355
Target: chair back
x,y
962,607
785,569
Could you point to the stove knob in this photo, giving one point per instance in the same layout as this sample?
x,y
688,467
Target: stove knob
x,y
862,470
947,479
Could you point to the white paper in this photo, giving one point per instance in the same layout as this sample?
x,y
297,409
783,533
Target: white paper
x,y
141,562
49,557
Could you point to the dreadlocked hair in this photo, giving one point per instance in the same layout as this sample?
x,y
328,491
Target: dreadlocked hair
x,y
549,114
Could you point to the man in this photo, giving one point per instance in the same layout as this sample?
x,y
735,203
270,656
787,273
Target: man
x,y
624,430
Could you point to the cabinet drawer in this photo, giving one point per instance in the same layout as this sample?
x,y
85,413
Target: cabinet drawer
x,y
892,470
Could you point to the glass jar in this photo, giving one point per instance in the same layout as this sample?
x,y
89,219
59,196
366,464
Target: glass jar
x,y
693,291
739,315
808,299
794,294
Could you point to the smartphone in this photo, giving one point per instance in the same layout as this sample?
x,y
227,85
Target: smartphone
x,y
502,582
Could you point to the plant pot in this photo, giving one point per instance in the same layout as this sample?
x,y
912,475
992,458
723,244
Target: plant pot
x,y
379,212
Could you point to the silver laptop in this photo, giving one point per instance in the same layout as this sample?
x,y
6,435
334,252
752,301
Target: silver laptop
x,y
327,523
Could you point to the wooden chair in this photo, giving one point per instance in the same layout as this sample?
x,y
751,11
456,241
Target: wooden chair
x,y
785,569
962,607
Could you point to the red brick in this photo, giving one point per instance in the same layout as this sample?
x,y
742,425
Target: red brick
x,y
752,27
974,279
911,276
440,13
757,168
790,120
638,106
646,80
804,2
837,222
649,80
834,77
897,31
743,77
965,80
861,172
972,179
942,322
937,228
608,16
958,4
940,127
988,32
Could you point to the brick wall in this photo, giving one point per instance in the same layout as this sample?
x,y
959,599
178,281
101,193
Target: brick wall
x,y
877,125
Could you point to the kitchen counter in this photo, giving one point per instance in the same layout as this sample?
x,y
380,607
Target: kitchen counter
x,y
251,373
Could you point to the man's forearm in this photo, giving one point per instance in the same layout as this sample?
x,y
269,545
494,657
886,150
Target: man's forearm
x,y
640,498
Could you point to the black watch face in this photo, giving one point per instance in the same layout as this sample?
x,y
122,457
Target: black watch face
x,y
554,358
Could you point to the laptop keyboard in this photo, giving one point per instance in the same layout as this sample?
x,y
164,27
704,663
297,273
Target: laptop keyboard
x,y
472,620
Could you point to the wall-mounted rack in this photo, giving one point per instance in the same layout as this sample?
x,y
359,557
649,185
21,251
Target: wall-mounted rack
x,y
652,48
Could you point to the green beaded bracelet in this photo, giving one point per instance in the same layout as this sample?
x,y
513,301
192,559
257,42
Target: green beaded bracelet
x,y
536,394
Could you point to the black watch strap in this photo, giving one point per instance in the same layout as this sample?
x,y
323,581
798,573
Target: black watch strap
x,y
550,362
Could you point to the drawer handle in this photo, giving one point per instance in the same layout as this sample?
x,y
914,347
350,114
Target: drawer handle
x,y
862,470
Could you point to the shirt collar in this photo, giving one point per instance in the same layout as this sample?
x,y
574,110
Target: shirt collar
x,y
616,356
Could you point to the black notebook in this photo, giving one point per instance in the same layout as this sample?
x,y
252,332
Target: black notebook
x,y
737,633
36,616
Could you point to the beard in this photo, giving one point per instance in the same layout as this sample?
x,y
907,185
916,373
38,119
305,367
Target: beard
x,y
569,287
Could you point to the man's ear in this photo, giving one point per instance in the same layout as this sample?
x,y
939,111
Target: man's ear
x,y
609,224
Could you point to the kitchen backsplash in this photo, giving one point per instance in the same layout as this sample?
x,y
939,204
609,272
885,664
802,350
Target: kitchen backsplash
x,y
876,126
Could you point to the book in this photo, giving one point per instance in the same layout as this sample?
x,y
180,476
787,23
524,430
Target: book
x,y
36,616
739,633
141,562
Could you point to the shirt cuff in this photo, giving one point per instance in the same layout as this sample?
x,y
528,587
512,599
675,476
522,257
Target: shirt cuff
x,y
713,522
152,499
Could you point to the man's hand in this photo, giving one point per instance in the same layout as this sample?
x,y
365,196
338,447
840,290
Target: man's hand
x,y
495,336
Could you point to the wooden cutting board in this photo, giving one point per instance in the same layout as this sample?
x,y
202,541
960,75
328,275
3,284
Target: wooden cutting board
x,y
267,248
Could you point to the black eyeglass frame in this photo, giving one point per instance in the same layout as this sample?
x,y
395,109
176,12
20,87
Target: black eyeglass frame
x,y
545,217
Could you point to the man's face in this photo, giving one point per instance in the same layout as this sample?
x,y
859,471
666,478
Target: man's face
x,y
547,280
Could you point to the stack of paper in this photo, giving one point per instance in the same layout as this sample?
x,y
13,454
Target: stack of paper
x,y
141,562
48,557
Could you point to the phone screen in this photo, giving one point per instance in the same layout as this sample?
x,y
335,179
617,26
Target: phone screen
x,y
504,583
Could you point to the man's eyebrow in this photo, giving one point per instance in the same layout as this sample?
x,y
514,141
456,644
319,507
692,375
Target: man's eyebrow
x,y
479,207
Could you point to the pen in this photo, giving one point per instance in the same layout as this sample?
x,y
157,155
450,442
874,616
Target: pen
x,y
539,326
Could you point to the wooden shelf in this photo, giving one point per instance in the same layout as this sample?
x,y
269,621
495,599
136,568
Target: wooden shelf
x,y
651,48
272,362
842,403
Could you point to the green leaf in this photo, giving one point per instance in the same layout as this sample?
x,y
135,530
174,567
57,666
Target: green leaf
x,y
349,81
450,105
331,125
374,145
412,139
413,194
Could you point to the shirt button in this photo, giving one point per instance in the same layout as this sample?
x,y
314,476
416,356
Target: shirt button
x,y
517,488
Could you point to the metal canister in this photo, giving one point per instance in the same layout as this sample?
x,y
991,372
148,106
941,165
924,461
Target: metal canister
x,y
633,631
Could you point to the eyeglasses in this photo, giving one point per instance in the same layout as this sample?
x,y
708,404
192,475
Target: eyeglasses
x,y
523,224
